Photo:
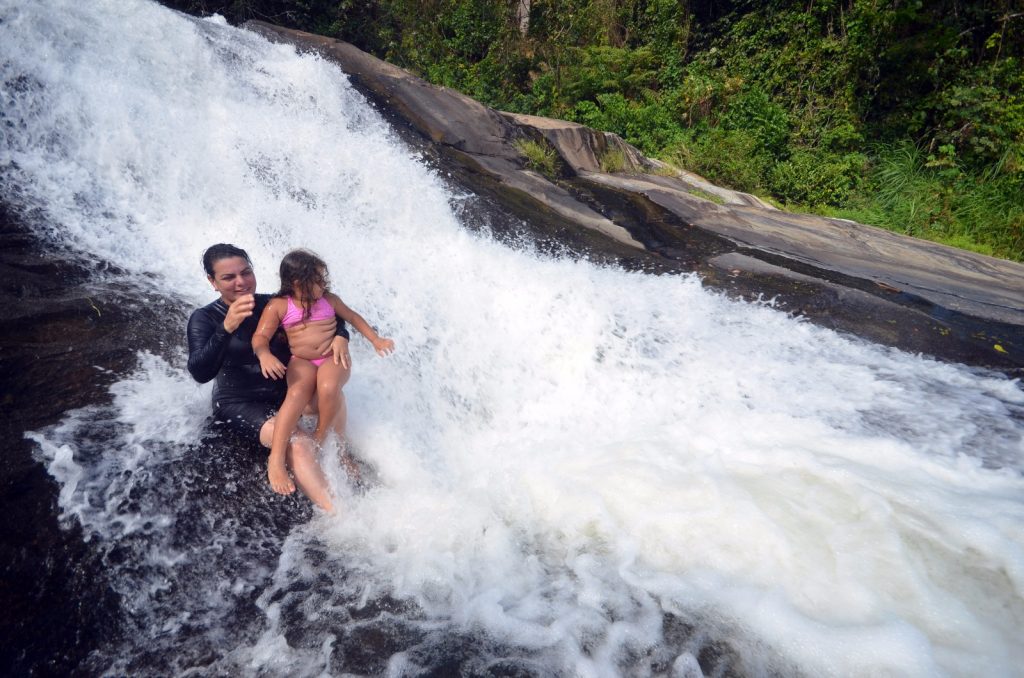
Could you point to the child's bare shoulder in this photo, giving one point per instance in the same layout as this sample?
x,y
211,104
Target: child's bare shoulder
x,y
334,300
278,305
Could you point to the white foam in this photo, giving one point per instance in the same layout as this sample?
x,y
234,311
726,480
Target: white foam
x,y
155,407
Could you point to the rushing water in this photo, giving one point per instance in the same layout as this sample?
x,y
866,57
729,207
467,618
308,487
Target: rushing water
x,y
579,470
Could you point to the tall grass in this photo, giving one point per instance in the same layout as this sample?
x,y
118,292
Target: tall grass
x,y
909,192
539,156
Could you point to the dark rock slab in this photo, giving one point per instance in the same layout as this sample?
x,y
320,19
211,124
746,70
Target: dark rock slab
x,y
900,291
67,332
57,329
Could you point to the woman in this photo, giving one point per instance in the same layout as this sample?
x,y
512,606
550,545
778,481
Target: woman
x,y
220,348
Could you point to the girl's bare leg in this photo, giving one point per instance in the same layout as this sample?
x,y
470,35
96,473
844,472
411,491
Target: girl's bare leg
x,y
301,384
330,379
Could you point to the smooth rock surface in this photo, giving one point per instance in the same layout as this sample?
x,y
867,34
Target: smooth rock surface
x,y
992,289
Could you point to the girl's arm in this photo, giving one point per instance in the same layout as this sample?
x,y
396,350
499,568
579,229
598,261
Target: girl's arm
x,y
270,366
382,345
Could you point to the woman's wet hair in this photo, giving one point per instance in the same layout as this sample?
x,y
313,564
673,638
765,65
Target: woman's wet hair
x,y
301,271
215,253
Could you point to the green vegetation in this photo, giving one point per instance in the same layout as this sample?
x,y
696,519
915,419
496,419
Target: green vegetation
x,y
540,157
906,191
717,199
613,160
900,113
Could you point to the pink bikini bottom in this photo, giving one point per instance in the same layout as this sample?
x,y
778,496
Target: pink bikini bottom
x,y
316,361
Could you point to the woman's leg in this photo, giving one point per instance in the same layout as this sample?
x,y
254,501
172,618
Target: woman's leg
x,y
305,466
300,458
301,384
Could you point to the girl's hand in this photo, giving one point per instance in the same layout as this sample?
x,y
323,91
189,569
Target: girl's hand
x,y
383,346
339,349
271,367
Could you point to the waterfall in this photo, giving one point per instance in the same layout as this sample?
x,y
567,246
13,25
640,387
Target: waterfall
x,y
579,470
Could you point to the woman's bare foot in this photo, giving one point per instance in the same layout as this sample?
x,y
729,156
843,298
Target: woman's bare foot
x,y
280,481
351,468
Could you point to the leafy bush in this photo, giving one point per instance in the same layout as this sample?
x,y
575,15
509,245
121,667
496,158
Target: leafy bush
x,y
817,178
646,124
730,158
753,112
906,192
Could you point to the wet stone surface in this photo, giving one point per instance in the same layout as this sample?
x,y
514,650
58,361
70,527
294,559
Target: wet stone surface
x,y
57,604
66,338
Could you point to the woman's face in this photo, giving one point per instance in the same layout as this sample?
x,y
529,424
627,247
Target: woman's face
x,y
233,277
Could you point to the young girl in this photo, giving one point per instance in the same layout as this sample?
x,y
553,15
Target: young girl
x,y
306,310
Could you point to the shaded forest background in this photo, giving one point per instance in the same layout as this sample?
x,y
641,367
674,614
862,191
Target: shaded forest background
x,y
898,113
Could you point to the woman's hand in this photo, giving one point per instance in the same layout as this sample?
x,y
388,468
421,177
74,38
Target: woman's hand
x,y
240,309
339,349
383,346
271,367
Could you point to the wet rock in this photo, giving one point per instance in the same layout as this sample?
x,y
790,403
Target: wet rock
x,y
68,333
56,605
900,291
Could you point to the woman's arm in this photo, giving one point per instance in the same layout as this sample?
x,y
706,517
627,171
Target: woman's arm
x,y
340,330
207,343
382,345
270,366
209,332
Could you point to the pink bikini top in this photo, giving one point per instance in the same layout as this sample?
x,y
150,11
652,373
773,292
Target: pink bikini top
x,y
322,310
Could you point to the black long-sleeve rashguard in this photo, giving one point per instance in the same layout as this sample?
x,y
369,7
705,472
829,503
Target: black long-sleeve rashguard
x,y
242,396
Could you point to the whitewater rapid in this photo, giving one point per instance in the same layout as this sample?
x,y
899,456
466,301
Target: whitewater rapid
x,y
594,471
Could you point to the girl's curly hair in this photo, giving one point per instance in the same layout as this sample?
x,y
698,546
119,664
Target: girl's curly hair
x,y
301,270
